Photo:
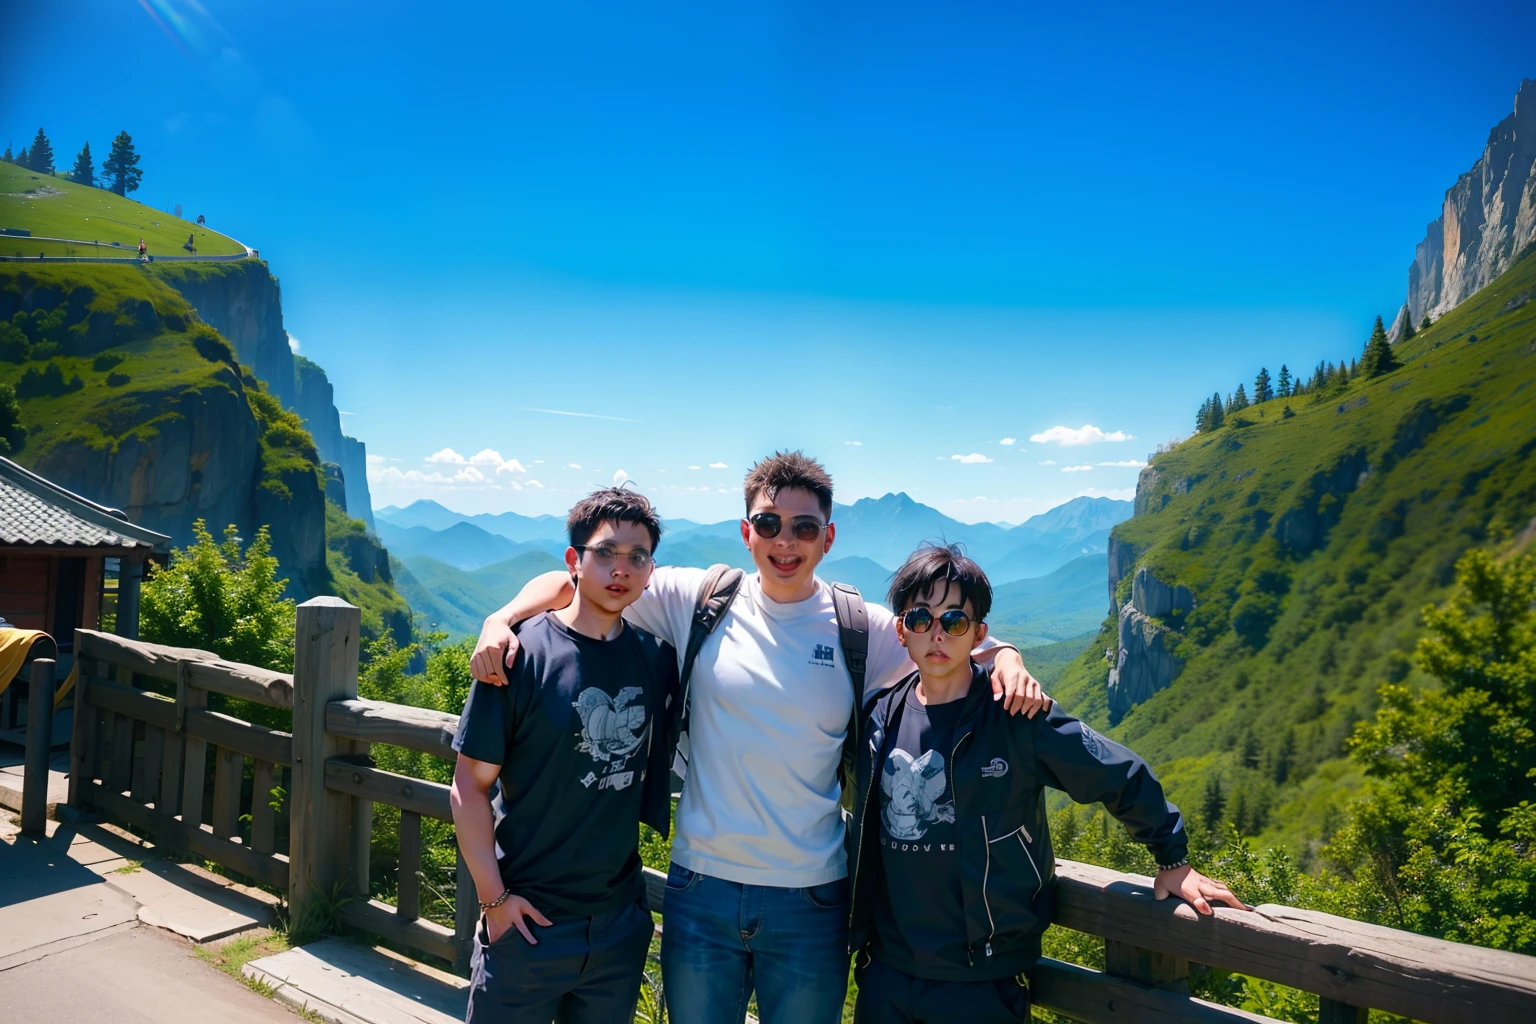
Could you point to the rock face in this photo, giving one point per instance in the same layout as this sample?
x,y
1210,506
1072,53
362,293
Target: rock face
x,y
1122,559
315,401
354,471
1489,216
242,301
1143,662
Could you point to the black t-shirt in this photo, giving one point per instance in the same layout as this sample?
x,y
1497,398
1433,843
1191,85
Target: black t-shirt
x,y
921,919
572,732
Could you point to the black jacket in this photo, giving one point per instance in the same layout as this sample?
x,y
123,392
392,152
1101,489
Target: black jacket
x,y
1000,767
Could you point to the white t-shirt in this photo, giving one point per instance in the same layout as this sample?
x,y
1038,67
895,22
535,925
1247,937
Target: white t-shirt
x,y
771,699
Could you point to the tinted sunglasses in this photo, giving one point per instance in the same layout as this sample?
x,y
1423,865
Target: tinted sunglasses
x,y
920,620
769,524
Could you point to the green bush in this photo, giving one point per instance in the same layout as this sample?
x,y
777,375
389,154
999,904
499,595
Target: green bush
x,y
47,383
106,361
117,380
212,347
12,433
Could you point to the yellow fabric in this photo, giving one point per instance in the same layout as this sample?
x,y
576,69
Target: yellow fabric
x,y
14,646
74,673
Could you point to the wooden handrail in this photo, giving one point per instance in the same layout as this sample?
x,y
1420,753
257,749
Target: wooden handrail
x,y
377,721
203,669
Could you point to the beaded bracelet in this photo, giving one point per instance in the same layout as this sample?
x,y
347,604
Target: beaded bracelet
x,y
498,901
1181,863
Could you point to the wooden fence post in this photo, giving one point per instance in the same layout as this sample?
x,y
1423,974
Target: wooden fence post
x,y
1150,966
320,843
1331,1011
34,779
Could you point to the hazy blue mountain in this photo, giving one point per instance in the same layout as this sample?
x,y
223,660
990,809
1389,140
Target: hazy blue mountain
x,y
701,550
425,513
462,545
458,601
872,578
523,528
1060,606
1076,519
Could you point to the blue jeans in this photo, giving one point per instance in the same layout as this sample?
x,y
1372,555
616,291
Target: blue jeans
x,y
720,940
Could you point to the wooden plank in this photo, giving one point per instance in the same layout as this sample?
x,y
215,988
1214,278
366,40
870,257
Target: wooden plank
x,y
194,759
146,779
1331,1011
34,778
103,745
1348,961
263,817
408,900
169,800
400,725
466,916
134,703
380,919
403,791
362,846
122,753
320,819
252,740
1097,998
228,773
82,740
267,869
210,672
1148,966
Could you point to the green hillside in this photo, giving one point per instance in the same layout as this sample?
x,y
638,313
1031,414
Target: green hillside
x,y
55,207
1311,541
456,601
1065,604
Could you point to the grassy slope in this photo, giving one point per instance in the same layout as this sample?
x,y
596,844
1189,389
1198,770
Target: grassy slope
x,y
458,601
92,214
1067,603
1345,613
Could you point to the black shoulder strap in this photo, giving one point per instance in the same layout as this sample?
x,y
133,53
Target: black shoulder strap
x,y
853,634
720,586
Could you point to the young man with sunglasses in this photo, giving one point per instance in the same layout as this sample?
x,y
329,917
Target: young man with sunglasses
x,y
573,743
948,847
757,895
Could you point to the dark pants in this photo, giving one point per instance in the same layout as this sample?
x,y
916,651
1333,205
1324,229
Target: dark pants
x,y
887,996
721,940
583,971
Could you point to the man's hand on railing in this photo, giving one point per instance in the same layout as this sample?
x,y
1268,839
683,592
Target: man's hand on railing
x,y
1195,889
515,912
494,652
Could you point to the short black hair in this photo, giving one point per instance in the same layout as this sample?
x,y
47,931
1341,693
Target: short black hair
x,y
789,469
933,564
612,505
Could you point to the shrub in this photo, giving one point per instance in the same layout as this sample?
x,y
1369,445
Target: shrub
x,y
12,433
49,383
212,347
117,380
106,361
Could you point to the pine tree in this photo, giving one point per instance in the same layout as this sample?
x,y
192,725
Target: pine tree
x,y
1425,323
120,168
1213,803
1408,330
1262,392
1379,357
1286,386
21,159
9,157
1218,414
41,156
84,171
1203,417
1239,399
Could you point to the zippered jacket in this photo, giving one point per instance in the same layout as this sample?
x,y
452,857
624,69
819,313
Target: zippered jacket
x,y
1001,765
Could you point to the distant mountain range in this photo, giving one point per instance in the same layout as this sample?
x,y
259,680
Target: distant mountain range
x,y
454,568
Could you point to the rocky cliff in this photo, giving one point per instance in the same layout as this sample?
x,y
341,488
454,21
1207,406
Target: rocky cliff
x,y
242,301
1487,219
1143,661
354,467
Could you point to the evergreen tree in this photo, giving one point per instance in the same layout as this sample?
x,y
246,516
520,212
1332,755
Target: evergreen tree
x,y
84,171
21,159
40,158
9,157
120,168
1213,803
1218,414
1379,357
1284,759
1249,758
1425,323
1262,392
1408,330
1239,399
1286,387
12,433
1203,417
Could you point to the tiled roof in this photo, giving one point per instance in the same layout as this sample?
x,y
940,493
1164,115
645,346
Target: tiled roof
x,y
36,512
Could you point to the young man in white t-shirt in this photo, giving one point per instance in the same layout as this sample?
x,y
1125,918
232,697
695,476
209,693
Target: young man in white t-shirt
x,y
757,895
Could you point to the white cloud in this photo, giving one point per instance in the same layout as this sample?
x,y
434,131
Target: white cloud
x,y
486,457
1076,469
376,460
723,490
718,465
620,478
533,483
1007,440
693,467
538,462
343,412
971,459
1135,463
447,457
574,465
1048,462
856,444
1067,437
293,344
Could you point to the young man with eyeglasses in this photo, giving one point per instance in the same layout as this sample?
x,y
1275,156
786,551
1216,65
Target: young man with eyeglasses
x,y
757,895
573,740
948,847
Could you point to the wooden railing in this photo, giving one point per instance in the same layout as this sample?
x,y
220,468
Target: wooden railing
x,y
140,757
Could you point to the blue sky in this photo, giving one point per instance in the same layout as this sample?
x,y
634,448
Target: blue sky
x,y
727,228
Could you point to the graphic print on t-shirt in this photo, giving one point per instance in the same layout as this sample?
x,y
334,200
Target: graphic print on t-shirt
x,y
912,789
612,730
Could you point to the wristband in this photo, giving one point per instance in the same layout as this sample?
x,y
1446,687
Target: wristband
x,y
1182,862
498,901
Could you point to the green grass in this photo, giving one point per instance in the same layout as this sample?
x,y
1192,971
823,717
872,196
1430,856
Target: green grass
x,y
92,214
1287,644
232,956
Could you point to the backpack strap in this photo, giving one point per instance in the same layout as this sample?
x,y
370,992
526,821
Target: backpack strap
x,y
853,634
720,587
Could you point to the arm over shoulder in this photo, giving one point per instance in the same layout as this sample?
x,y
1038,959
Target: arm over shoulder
x,y
665,609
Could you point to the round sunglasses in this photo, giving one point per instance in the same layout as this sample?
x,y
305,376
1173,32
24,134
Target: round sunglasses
x,y
920,620
769,524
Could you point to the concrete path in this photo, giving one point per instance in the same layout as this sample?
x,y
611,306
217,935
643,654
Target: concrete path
x,y
346,983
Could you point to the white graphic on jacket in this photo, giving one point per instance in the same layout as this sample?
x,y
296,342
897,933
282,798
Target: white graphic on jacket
x,y
912,790
611,728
